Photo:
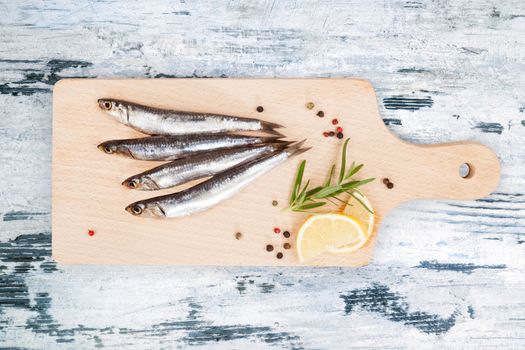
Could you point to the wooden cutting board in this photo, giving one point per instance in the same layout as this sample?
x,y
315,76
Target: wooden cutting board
x,y
88,195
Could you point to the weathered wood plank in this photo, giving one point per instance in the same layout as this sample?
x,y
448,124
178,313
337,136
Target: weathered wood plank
x,y
444,71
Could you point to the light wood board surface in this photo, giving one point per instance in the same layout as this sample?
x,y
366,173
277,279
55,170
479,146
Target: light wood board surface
x,y
88,195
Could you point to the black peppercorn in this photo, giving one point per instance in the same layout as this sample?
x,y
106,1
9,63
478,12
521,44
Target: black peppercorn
x,y
260,109
279,255
238,235
386,181
286,234
269,248
390,185
275,203
287,245
320,114
340,135
331,133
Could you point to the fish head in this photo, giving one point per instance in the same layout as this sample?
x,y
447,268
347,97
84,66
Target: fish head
x,y
114,147
116,109
145,209
144,183
108,147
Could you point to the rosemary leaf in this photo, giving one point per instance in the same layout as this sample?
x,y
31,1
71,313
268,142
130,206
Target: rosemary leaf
x,y
356,183
303,191
339,199
313,191
330,175
354,171
304,198
298,181
327,191
343,162
311,205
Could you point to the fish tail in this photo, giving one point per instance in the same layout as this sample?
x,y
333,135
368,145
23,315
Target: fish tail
x,y
297,148
272,139
269,127
281,144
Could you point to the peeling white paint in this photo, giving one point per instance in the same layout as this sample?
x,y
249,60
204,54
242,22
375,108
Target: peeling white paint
x,y
468,57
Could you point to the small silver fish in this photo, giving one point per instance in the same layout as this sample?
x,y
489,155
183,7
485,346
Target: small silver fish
x,y
156,121
174,147
198,166
213,191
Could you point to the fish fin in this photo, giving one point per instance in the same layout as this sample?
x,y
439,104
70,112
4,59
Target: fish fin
x,y
296,149
284,143
271,139
273,132
269,127
279,144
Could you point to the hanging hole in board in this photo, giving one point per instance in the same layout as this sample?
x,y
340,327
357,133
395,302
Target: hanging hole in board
x,y
466,170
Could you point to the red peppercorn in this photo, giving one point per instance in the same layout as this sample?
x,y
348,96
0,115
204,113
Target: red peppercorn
x,y
339,129
91,232
277,230
326,134
335,121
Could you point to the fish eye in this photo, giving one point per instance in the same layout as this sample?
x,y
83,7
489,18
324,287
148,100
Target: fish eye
x,y
108,150
107,105
132,184
137,210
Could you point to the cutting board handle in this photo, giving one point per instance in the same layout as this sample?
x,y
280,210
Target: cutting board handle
x,y
463,170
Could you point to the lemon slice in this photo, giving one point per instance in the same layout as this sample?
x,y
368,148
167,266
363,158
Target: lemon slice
x,y
329,233
356,210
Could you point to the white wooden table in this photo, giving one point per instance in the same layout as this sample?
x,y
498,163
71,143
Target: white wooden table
x,y
445,275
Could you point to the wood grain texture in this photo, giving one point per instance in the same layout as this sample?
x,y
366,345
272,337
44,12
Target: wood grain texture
x,y
445,274
208,238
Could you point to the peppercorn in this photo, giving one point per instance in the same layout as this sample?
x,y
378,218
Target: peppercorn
x,y
277,230
331,133
287,245
340,135
310,105
91,232
386,181
260,109
279,255
320,114
269,248
275,203
286,234
238,235
326,134
339,129
335,121
390,185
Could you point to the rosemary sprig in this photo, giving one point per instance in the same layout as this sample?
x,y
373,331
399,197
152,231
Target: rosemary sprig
x,y
304,198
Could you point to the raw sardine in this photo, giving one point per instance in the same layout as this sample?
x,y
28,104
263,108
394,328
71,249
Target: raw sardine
x,y
174,147
156,121
213,191
198,166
